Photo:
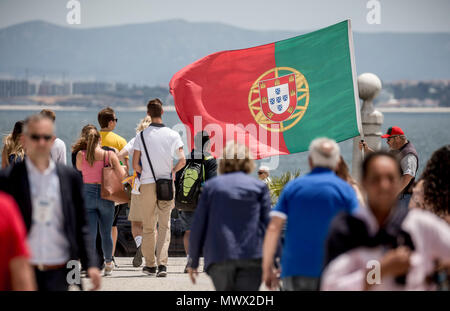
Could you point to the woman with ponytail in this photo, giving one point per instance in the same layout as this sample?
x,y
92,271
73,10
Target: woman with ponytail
x,y
90,161
81,143
12,147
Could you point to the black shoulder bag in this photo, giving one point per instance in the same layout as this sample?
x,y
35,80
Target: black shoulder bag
x,y
164,187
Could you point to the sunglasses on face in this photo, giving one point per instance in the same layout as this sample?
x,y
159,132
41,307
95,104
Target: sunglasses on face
x,y
260,173
116,120
391,138
37,137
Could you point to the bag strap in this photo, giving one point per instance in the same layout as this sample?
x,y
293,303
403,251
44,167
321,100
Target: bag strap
x,y
202,171
148,157
109,158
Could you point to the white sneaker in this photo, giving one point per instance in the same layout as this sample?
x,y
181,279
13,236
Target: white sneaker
x,y
109,267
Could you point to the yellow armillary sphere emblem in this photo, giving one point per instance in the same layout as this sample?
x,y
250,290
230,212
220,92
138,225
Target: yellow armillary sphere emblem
x,y
279,98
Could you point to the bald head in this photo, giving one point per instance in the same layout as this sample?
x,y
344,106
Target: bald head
x,y
324,152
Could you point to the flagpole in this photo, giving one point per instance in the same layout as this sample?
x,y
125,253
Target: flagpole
x,y
355,159
362,149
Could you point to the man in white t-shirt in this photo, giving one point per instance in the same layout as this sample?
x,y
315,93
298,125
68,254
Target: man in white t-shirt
x,y
58,152
163,145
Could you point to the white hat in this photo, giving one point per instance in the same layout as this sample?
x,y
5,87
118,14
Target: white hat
x,y
264,168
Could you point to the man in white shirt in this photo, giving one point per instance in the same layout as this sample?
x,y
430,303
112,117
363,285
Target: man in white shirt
x,y
163,145
58,151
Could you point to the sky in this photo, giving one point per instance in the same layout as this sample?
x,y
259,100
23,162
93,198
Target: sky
x,y
292,15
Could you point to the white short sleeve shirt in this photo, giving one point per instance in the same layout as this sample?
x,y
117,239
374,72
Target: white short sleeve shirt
x,y
58,151
162,144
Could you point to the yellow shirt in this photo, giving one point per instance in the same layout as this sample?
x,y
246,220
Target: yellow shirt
x,y
111,139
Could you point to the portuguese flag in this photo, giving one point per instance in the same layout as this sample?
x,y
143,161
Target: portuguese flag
x,y
275,98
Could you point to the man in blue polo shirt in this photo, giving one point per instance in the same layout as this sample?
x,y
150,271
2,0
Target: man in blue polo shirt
x,y
308,204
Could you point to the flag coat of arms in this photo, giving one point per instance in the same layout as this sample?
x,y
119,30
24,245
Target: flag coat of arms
x,y
290,91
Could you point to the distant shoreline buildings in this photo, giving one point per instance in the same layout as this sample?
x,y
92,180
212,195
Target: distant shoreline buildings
x,y
12,88
78,93
398,94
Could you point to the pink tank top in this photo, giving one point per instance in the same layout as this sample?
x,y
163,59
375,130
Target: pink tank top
x,y
93,174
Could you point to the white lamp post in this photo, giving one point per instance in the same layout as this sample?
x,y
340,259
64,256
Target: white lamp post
x,y
369,86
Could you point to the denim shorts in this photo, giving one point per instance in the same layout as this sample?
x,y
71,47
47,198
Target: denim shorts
x,y
186,220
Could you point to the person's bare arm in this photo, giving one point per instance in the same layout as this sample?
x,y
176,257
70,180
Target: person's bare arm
x,y
127,164
136,166
4,158
123,156
181,160
118,169
273,233
22,275
96,278
79,160
404,182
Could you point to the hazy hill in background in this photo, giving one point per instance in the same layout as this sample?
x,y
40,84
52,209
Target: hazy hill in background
x,y
151,53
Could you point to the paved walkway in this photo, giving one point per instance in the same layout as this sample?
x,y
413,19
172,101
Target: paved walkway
x,y
129,278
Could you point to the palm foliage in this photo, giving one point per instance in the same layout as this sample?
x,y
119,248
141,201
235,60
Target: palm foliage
x,y
277,184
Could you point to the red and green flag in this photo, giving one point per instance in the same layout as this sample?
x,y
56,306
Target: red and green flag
x,y
275,98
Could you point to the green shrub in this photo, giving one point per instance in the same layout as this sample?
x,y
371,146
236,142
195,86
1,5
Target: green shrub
x,y
277,184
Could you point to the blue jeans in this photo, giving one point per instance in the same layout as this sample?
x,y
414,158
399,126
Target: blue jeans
x,y
100,214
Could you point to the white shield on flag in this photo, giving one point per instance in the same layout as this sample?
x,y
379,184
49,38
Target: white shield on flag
x,y
278,98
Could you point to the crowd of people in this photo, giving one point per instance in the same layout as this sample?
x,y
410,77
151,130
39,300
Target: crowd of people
x,y
327,231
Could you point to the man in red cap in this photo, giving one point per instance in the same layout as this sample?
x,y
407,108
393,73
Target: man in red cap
x,y
408,157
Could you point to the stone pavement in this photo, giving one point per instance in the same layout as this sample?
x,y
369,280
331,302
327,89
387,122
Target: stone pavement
x,y
129,278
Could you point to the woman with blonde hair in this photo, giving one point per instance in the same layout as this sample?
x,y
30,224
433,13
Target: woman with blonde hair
x,y
135,204
229,224
90,161
127,150
12,147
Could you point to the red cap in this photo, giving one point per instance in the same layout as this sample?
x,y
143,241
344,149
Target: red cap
x,y
393,131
